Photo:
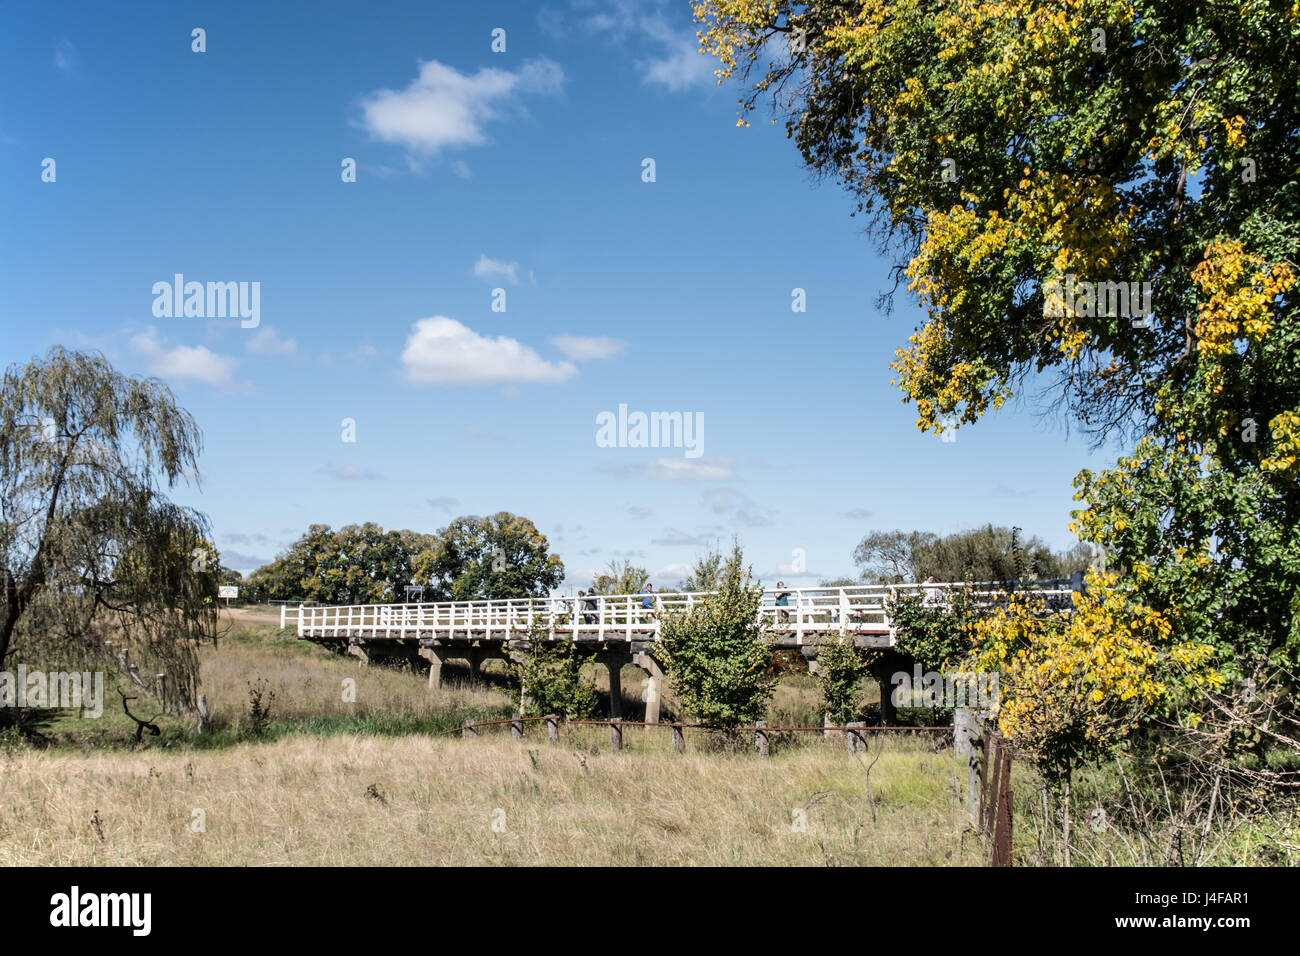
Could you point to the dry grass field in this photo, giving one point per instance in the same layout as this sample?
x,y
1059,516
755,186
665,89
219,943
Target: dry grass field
x,y
373,781
370,800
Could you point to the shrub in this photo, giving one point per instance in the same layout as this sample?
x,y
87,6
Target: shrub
x,y
934,636
718,654
842,666
550,680
259,709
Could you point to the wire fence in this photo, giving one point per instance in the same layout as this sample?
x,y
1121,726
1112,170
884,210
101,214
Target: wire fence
x,y
855,733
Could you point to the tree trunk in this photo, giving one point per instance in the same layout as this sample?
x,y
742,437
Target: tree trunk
x,y
13,610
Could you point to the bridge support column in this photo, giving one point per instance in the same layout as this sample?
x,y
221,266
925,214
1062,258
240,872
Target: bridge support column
x,y
615,665
474,657
653,685
435,656
357,650
519,659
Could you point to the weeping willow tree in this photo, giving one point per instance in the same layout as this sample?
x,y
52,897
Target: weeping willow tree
x,y
96,564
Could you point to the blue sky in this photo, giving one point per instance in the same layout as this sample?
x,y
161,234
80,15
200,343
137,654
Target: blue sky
x,y
475,171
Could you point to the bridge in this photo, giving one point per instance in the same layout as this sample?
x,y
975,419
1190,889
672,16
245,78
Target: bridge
x,y
620,629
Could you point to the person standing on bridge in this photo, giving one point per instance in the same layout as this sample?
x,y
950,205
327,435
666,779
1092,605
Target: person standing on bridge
x,y
782,600
933,595
588,607
648,602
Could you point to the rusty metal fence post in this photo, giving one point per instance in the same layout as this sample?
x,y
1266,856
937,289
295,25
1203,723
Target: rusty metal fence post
x,y
996,796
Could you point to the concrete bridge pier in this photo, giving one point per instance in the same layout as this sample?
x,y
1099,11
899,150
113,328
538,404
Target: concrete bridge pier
x,y
436,656
654,685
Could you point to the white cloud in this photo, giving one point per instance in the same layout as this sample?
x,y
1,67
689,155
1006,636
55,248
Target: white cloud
x,y
184,361
266,342
670,575
675,469
582,348
682,65
581,577
443,108
487,268
445,503
675,61
441,351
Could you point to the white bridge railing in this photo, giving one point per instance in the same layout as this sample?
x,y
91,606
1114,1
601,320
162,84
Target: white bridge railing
x,y
791,612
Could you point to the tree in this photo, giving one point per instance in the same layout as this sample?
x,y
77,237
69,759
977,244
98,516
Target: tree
x,y
1043,167
357,564
90,547
891,557
935,637
842,665
704,576
1073,687
993,554
838,583
620,579
501,556
718,654
550,679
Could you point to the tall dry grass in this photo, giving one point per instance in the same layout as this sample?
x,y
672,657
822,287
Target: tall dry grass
x,y
426,800
312,684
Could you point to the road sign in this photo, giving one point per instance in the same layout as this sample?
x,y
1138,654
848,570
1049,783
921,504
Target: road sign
x,y
227,591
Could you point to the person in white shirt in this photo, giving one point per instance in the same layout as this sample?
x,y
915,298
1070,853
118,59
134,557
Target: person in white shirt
x,y
933,596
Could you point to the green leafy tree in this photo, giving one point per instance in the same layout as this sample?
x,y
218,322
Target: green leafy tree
x,y
91,549
935,636
838,583
989,553
501,556
842,666
706,573
891,557
1015,149
551,681
625,578
357,564
717,653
